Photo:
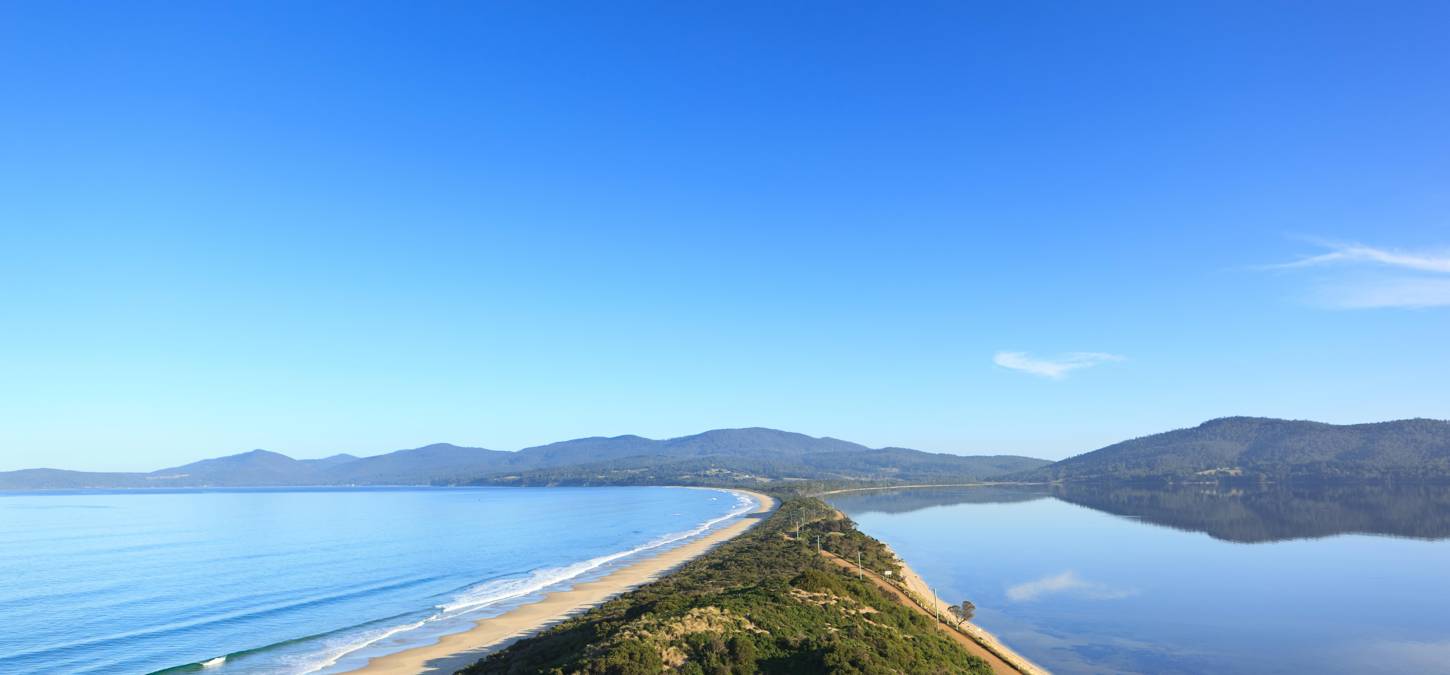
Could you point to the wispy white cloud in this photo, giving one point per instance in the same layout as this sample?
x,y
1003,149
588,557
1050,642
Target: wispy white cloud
x,y
1066,583
1057,367
1358,253
1366,277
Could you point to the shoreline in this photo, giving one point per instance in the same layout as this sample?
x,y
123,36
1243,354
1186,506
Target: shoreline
x,y
925,485
459,650
919,592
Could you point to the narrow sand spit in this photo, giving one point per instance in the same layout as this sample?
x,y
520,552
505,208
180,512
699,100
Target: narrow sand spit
x,y
988,641
460,650
918,596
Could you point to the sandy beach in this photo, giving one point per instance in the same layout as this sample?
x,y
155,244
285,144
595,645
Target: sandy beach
x,y
922,592
977,639
460,650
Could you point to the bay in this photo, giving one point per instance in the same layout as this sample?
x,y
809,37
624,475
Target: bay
x,y
302,580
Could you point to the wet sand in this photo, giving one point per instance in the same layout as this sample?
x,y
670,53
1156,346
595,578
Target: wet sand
x,y
460,650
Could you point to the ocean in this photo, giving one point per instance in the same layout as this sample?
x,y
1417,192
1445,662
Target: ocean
x,y
303,580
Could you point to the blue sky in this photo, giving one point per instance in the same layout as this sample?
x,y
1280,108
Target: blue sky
x,y
1028,228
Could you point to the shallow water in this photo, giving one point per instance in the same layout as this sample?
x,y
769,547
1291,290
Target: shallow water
x,y
1202,580
302,580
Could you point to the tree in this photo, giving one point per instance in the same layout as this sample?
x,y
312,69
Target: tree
x,y
964,612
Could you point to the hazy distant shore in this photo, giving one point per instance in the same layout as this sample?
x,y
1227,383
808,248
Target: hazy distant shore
x,y
459,650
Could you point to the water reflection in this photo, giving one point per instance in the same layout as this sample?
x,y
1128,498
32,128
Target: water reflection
x,y
1277,512
1239,514
914,499
1094,579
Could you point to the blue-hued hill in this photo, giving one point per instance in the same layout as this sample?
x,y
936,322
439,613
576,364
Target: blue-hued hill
x,y
753,455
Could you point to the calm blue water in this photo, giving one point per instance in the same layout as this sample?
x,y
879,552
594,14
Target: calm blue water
x,y
1194,581
299,581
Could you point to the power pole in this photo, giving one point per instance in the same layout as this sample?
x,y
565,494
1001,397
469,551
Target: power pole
x,y
935,605
860,573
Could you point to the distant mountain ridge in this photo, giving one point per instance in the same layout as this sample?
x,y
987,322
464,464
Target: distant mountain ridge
x,y
1230,448
886,465
758,454
1266,448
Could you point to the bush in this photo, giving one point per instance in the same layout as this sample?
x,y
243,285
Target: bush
x,y
763,602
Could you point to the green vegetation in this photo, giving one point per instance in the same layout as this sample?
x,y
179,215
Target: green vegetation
x,y
963,611
854,468
1229,450
837,534
764,602
1250,449
905,500
739,457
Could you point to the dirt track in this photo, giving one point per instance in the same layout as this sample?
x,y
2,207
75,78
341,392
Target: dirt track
x,y
998,665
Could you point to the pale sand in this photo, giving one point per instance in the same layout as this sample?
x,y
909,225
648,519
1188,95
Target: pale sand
x,y
460,650
977,639
922,591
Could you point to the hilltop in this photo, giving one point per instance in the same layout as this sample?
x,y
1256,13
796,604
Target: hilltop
x,y
1273,449
755,456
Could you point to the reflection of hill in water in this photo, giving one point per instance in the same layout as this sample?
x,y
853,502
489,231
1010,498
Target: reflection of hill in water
x,y
1275,513
914,499
1246,515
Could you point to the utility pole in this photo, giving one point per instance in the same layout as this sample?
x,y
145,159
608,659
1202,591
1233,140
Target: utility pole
x,y
935,606
860,573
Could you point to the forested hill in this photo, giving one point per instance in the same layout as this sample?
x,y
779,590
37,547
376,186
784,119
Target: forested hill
x,y
884,466
1256,447
738,456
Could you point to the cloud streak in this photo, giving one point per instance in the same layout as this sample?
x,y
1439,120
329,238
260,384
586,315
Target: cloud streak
x,y
1352,253
1366,277
1054,368
1066,583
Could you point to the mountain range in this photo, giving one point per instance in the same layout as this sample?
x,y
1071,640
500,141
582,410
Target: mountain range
x,y
741,455
1225,449
1272,449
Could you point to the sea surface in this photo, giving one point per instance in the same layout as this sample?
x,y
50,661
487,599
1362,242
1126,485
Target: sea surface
x,y
1194,580
303,580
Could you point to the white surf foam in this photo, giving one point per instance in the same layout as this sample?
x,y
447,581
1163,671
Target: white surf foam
x,y
495,592
507,589
330,657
